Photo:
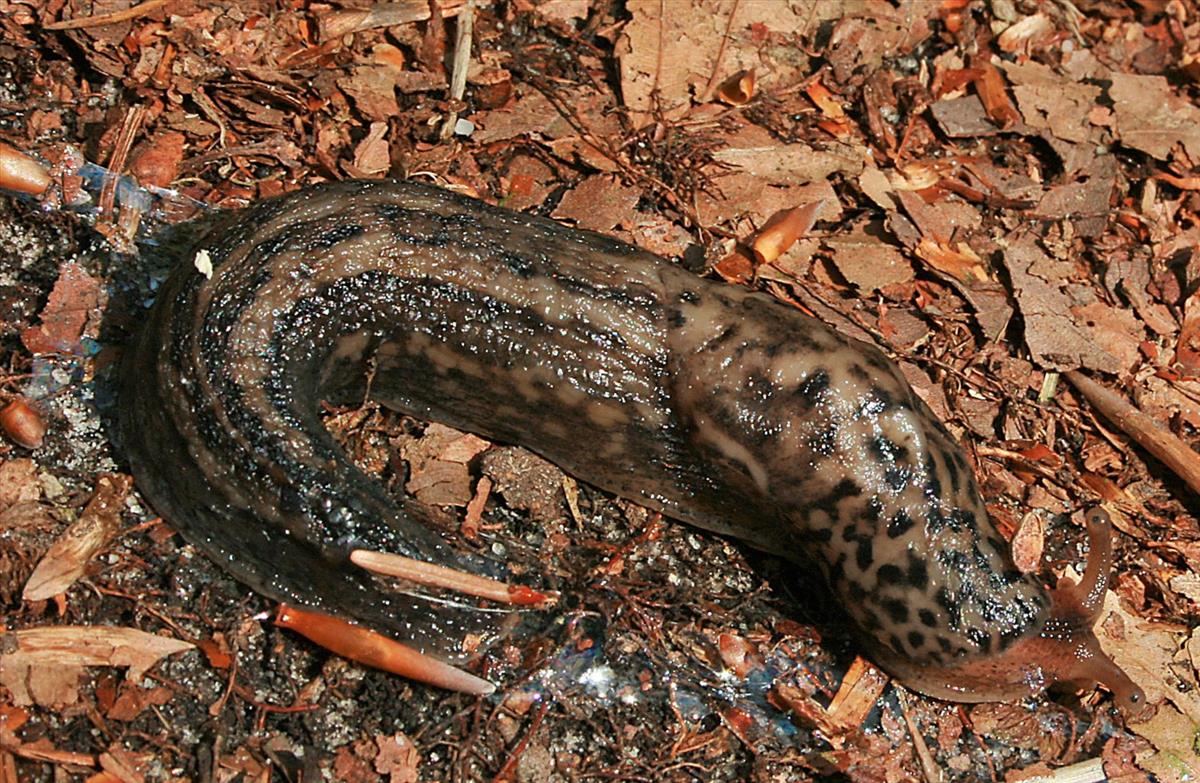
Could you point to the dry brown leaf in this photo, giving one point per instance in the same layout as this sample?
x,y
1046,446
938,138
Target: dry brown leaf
x,y
867,261
1173,735
1055,341
398,758
69,555
438,474
372,156
754,151
41,665
666,57
1026,34
958,261
736,267
1153,117
72,307
18,482
599,203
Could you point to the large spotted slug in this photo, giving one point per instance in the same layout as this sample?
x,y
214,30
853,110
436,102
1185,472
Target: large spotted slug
x,y
713,404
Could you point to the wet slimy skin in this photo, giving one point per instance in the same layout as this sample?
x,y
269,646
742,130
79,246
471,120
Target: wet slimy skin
x,y
713,404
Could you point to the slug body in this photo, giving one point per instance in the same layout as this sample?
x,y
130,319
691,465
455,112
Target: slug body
x,y
713,404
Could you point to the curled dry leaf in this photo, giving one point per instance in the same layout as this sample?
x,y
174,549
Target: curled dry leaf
x,y
826,101
783,229
738,89
992,90
959,261
23,424
1028,33
859,693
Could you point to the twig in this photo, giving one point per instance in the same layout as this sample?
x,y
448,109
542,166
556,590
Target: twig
x,y
929,768
433,575
102,19
718,61
1144,430
462,60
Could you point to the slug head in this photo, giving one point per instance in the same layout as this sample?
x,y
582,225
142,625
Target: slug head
x,y
1063,652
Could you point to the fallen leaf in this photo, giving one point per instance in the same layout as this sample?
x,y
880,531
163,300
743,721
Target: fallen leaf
x,y
73,306
398,758
69,555
18,482
35,656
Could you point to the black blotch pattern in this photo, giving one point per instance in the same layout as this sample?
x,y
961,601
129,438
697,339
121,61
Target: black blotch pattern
x,y
858,372
981,639
916,640
889,574
824,442
896,609
814,387
896,478
928,618
519,265
918,572
333,236
727,334
864,554
899,524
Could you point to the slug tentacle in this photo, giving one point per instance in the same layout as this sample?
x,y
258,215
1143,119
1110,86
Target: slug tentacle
x,y
710,403
1086,598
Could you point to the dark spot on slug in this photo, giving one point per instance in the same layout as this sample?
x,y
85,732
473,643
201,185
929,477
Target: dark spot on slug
x,y
335,235
889,574
519,265
981,638
928,618
896,609
918,572
814,387
899,524
727,334
896,478
824,441
916,640
858,372
864,554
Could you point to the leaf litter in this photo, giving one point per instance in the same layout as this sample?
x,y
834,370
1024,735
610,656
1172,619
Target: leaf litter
x,y
1006,193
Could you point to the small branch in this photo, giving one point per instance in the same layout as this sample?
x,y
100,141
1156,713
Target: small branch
x,y
462,61
102,19
1144,430
432,575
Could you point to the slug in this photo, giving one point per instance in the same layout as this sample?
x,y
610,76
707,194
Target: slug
x,y
713,404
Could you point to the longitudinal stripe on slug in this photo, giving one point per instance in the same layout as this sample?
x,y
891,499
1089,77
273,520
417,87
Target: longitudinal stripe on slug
x,y
707,402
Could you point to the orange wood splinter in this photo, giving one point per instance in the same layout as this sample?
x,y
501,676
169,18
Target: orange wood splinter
x,y
373,649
